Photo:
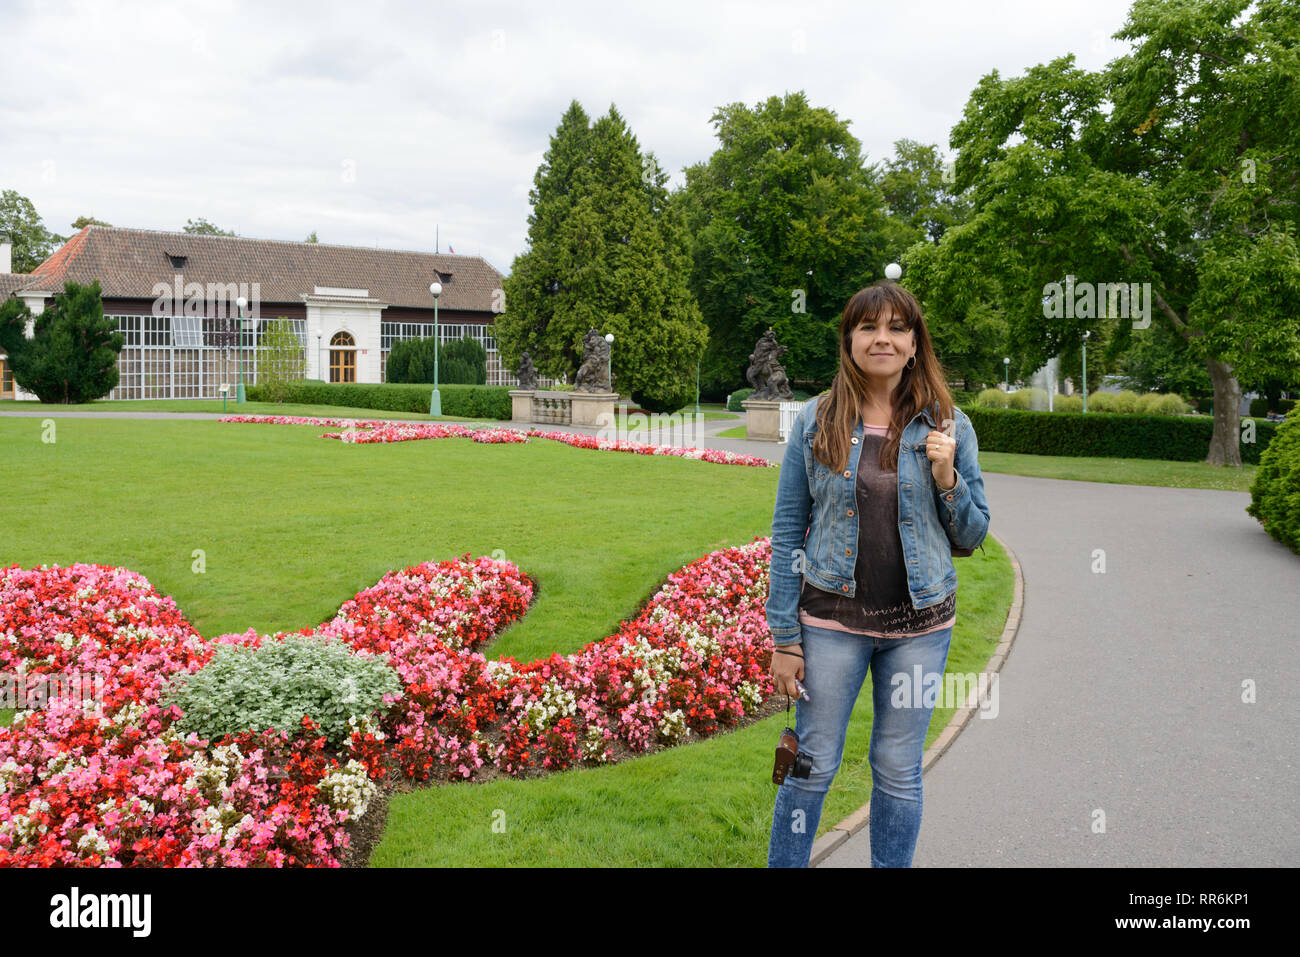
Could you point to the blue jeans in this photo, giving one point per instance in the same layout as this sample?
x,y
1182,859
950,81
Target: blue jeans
x,y
835,665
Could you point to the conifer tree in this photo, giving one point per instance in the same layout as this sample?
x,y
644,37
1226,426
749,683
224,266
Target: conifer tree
x,y
72,355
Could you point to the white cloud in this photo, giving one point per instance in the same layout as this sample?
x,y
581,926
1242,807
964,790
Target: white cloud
x,y
370,123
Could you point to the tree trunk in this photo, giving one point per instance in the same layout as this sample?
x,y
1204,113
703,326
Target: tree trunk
x,y
1225,444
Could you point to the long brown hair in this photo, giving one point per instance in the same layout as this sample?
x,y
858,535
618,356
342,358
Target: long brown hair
x,y
920,387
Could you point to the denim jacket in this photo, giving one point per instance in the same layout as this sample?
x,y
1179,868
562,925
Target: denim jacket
x,y
930,520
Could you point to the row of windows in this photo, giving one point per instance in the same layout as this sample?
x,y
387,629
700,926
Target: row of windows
x,y
188,332
390,332
190,356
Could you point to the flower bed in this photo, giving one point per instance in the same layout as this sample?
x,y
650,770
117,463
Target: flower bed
x,y
118,786
370,430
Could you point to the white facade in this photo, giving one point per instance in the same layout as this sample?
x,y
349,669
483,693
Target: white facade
x,y
331,311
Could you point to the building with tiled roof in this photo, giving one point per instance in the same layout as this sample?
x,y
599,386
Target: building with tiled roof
x,y
174,296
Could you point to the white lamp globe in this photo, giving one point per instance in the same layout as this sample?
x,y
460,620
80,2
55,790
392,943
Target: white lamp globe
x,y
436,289
893,271
609,337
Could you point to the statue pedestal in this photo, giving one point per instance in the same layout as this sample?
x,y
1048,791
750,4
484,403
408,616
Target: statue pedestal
x,y
592,408
762,419
521,405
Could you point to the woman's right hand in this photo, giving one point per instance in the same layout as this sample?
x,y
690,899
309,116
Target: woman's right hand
x,y
787,668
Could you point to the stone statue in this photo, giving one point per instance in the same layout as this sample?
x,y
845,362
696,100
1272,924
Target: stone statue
x,y
526,375
765,372
593,374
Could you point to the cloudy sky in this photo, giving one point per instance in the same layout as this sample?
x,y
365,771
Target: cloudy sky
x,y
372,123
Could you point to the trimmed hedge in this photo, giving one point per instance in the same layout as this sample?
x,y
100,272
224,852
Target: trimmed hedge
x,y
740,395
1275,495
1174,438
1259,407
461,401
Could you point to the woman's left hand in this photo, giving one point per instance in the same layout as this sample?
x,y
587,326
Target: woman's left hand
x,y
941,449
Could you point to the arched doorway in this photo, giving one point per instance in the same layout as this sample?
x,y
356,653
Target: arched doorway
x,y
343,358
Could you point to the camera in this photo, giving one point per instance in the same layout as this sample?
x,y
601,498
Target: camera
x,y
789,760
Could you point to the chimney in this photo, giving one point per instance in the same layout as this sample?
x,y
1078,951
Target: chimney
x,y
6,254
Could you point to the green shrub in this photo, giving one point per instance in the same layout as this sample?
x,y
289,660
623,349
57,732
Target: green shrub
x,y
1105,434
1275,494
1259,407
665,404
991,399
1067,403
462,362
273,686
1102,402
398,362
1285,405
1171,403
1027,399
737,397
460,401
1146,403
1126,402
465,363
740,395
282,362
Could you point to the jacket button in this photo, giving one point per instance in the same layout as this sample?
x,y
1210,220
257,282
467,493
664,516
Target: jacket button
x,y
950,498
846,473
848,551
845,587
850,513
855,440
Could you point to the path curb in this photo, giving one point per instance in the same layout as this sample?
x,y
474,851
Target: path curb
x,y
825,845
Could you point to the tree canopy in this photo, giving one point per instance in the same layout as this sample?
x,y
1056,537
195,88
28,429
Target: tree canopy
x,y
605,252
32,242
1175,169
786,223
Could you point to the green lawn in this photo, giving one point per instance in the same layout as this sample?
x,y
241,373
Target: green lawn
x,y
232,408
708,412
290,525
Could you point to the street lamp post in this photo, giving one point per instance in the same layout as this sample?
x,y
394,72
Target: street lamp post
x,y
435,400
320,366
241,302
1086,334
1006,370
609,337
697,387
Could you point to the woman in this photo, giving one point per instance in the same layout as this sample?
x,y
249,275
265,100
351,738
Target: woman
x,y
879,484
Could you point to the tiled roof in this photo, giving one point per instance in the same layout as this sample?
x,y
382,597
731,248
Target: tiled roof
x,y
11,281
129,262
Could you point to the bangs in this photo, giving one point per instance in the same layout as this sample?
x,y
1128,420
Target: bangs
x,y
886,309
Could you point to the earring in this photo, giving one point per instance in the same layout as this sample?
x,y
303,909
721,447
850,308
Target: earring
x,y
911,364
